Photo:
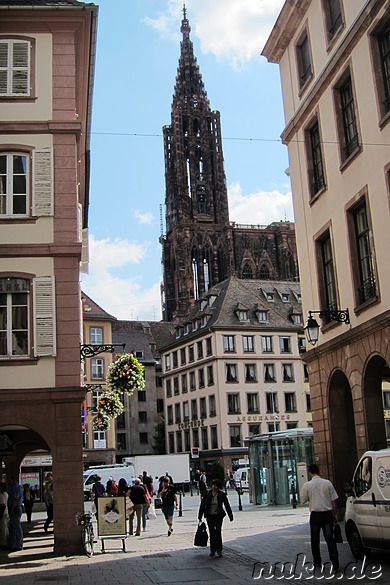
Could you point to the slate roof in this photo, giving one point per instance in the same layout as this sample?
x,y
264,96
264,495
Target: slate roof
x,y
232,295
139,335
43,3
91,310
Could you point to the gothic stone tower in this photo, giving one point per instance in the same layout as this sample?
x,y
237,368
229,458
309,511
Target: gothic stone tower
x,y
198,246
201,247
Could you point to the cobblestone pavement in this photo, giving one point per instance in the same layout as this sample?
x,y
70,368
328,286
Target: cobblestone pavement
x,y
261,537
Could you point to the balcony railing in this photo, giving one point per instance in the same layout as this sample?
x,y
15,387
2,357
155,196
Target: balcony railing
x,y
367,291
351,146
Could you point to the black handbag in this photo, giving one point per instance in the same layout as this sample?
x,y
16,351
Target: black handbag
x,y
158,503
201,535
337,533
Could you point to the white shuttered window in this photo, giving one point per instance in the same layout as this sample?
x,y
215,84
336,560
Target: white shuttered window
x,y
43,182
14,68
44,316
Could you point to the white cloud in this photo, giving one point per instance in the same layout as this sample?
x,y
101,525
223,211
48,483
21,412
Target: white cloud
x,y
146,217
105,254
228,29
120,295
263,207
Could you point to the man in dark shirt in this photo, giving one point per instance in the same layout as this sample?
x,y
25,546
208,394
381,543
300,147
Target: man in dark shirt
x,y
98,488
138,497
148,481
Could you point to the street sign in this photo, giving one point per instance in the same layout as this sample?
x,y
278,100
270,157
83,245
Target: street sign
x,y
195,452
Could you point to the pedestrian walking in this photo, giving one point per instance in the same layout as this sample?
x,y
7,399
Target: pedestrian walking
x,y
156,485
15,500
203,484
145,507
4,516
169,502
214,507
49,504
322,497
147,481
169,477
138,497
28,501
98,488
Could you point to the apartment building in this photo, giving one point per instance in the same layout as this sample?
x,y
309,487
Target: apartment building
x,y
99,447
47,52
137,426
234,369
334,63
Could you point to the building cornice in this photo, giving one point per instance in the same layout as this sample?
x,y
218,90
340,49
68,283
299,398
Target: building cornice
x,y
37,250
35,127
333,67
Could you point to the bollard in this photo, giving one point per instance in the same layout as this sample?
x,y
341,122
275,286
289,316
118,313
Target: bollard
x,y
180,505
240,492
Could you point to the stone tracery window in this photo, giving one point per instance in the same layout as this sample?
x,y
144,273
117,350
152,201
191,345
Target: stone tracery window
x,y
247,272
264,272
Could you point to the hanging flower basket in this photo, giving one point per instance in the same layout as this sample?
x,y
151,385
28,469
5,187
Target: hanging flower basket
x,y
126,374
110,404
100,422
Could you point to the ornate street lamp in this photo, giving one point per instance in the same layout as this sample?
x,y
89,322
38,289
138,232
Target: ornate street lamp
x,y
312,328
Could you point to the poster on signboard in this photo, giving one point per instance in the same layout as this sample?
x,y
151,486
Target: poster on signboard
x,y
111,516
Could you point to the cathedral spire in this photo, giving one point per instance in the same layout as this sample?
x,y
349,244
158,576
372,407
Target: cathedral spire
x,y
189,84
197,249
185,25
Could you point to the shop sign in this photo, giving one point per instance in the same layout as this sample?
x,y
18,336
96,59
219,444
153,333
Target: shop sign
x,y
111,516
14,285
191,424
261,418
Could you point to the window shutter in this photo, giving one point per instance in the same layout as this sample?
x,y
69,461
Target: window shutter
x,y
20,67
3,68
44,316
43,182
84,266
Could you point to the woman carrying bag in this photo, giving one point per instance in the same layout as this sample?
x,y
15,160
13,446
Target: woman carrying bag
x,y
214,507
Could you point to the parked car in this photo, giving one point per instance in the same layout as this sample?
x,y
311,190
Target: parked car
x,y
367,515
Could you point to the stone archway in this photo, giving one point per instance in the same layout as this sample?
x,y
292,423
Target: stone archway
x,y
377,371
342,431
22,440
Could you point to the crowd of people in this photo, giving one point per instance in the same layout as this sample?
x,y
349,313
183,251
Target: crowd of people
x,y
139,498
13,498
214,506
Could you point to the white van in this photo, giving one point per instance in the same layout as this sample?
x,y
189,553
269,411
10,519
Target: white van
x,y
241,478
105,472
367,515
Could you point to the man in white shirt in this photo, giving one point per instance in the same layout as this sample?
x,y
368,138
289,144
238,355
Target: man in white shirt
x,y
322,497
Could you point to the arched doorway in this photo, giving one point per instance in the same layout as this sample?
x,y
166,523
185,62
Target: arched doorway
x,y
18,441
342,431
376,374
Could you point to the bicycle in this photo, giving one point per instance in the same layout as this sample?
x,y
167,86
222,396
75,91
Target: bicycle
x,y
87,535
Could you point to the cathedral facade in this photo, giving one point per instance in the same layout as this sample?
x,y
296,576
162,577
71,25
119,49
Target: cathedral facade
x,y
202,247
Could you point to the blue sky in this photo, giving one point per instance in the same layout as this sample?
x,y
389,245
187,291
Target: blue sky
x,y
138,47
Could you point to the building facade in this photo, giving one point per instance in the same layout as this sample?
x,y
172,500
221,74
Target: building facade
x,y
334,63
46,75
98,446
233,369
202,247
137,426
